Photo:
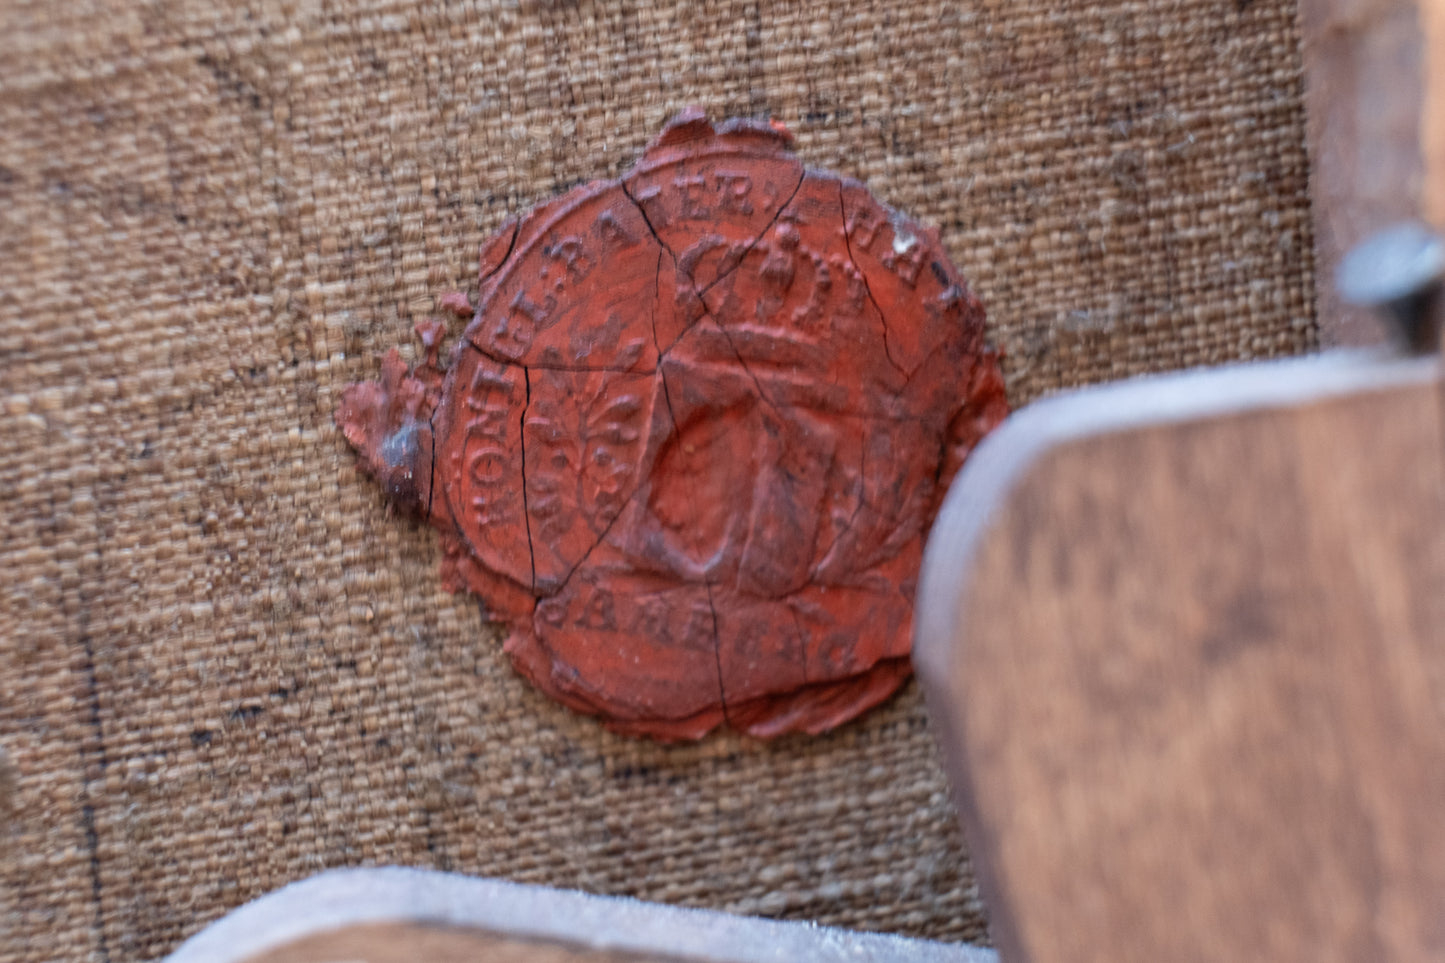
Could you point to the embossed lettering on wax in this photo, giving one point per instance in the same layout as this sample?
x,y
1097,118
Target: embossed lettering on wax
x,y
692,440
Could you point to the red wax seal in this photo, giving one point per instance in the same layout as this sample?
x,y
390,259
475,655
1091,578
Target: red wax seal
x,y
694,435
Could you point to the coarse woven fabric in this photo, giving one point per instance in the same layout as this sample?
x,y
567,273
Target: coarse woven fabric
x,y
225,666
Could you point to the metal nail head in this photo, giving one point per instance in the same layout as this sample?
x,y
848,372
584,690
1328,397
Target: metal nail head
x,y
1399,270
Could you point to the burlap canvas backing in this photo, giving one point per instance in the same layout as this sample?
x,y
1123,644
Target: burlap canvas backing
x,y
225,666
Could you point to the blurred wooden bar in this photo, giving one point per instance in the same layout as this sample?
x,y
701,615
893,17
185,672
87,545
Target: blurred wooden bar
x,y
1184,639
1364,64
396,914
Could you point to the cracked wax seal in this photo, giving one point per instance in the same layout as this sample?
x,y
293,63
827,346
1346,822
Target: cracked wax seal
x,y
691,441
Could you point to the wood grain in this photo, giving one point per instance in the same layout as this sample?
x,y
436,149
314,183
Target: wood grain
x,y
1185,640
